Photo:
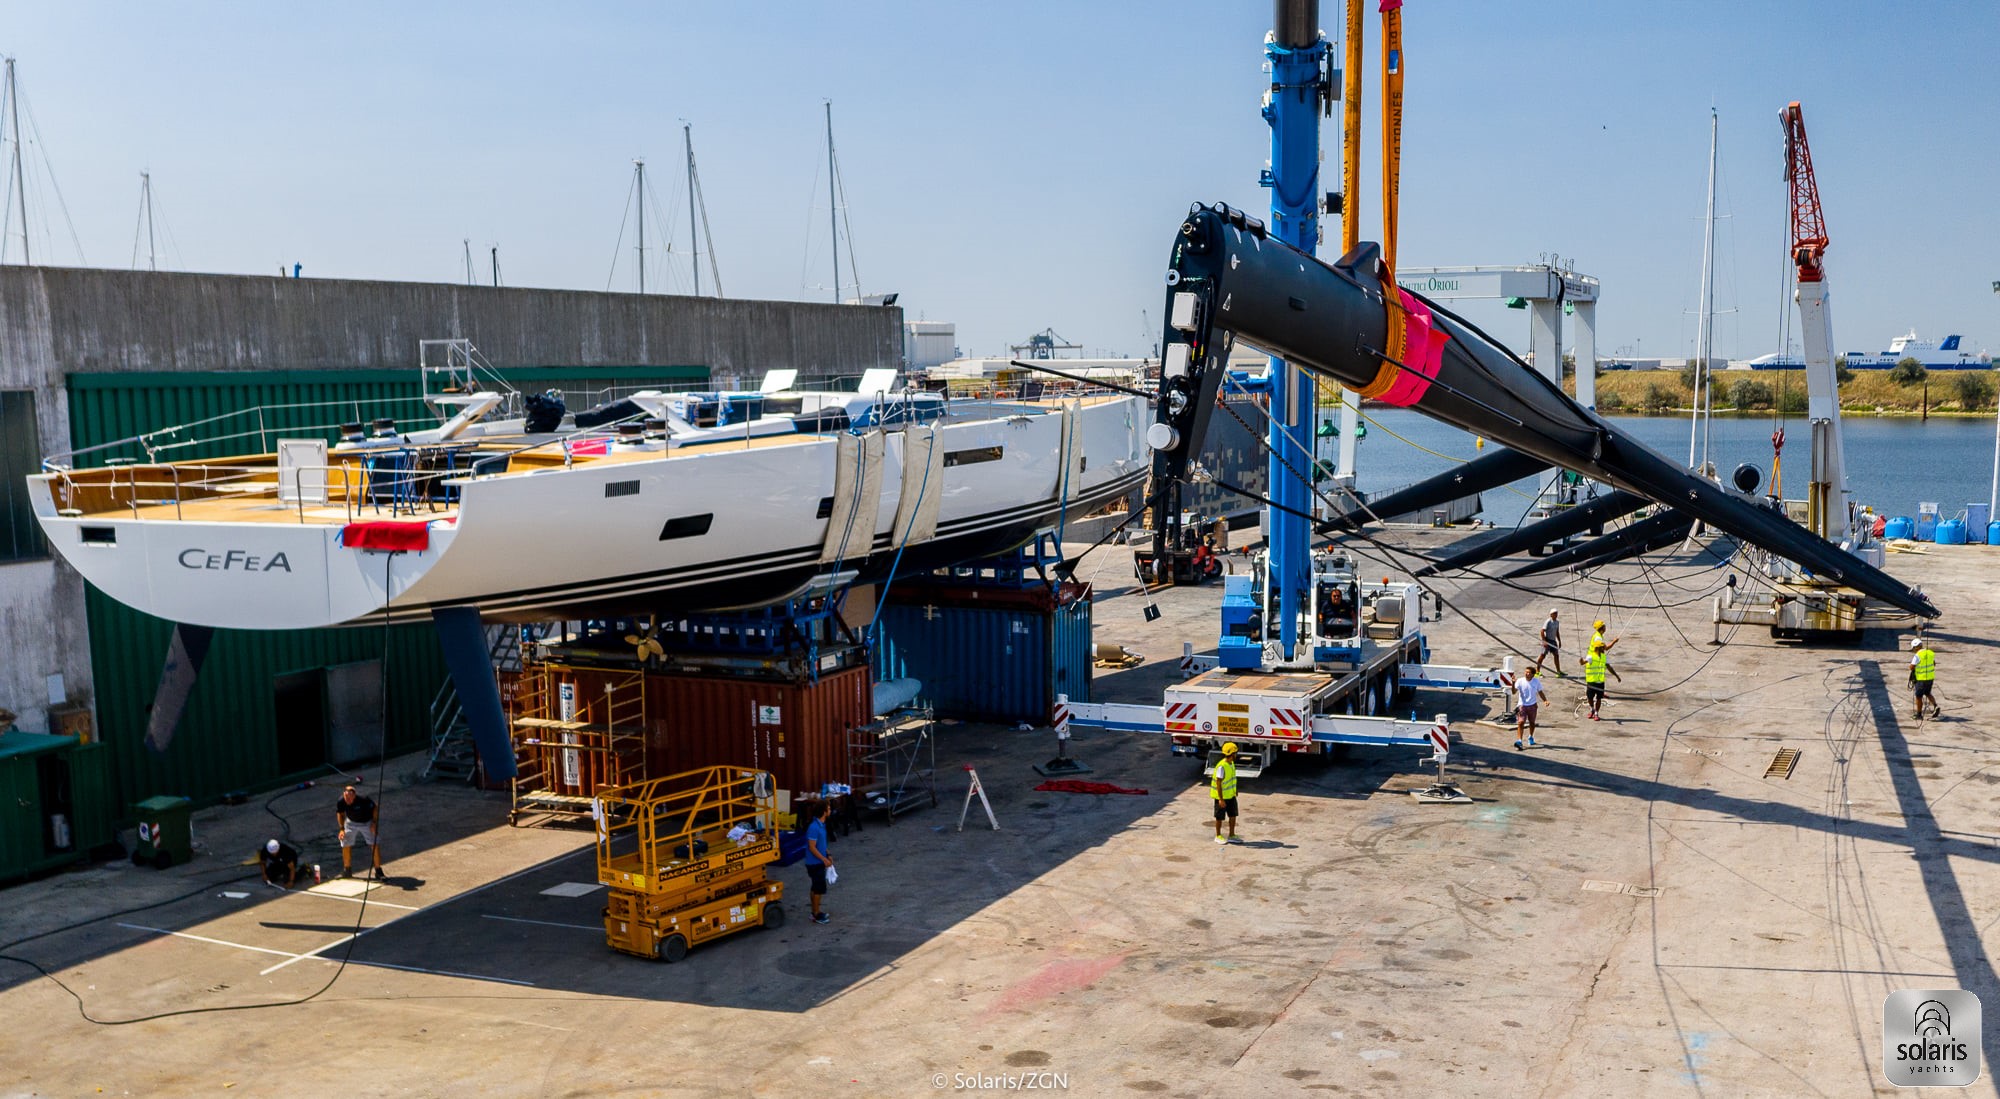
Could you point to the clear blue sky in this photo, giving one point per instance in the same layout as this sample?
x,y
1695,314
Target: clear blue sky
x,y
1022,166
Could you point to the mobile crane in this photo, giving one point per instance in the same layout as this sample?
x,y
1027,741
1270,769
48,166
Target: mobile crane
x,y
1803,603
1311,657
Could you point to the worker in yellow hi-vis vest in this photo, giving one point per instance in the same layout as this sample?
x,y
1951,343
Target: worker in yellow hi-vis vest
x,y
1222,790
1923,673
1595,668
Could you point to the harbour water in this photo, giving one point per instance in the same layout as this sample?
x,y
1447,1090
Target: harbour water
x,y
1893,463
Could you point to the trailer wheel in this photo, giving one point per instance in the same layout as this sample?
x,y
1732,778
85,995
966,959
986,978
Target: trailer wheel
x,y
673,948
1373,699
774,915
1393,689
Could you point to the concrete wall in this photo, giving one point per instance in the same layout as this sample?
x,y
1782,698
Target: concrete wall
x,y
58,321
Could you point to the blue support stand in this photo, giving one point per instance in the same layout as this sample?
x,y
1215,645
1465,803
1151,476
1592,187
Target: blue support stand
x,y
471,663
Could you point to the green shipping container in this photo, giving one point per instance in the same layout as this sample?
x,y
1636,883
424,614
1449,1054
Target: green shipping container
x,y
262,711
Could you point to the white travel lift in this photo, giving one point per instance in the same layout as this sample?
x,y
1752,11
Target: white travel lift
x,y
1363,652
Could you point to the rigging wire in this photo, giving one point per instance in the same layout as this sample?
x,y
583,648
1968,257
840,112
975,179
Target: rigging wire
x,y
1391,432
624,218
49,168
1659,604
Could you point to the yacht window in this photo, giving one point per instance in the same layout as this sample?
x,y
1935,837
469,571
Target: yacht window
x,y
971,457
686,526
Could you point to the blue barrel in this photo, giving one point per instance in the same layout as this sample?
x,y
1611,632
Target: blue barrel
x,y
1976,516
1993,533
1951,532
1902,526
1927,525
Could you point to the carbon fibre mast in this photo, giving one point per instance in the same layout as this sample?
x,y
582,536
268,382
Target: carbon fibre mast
x,y
1228,277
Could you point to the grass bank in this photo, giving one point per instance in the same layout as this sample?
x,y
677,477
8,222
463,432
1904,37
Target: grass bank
x,y
1865,393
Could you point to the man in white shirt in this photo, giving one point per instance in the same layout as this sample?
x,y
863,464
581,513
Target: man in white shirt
x,y
1529,687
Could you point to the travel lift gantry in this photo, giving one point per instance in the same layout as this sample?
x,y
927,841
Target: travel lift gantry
x,y
1310,658
1801,603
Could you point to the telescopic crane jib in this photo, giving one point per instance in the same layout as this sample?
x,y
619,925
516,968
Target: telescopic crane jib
x,y
1828,513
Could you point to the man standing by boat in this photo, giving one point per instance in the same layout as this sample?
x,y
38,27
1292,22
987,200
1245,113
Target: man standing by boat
x,y
356,816
1923,673
818,862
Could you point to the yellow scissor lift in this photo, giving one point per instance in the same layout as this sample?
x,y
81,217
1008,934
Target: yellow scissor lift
x,y
676,877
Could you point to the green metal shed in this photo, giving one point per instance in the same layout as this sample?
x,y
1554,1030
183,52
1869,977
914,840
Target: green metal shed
x,y
262,712
37,811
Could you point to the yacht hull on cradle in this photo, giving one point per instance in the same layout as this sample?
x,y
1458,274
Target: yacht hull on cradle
x,y
643,529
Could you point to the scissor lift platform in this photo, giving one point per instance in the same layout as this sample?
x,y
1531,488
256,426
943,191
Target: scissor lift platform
x,y
683,857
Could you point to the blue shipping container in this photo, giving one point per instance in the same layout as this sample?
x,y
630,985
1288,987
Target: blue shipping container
x,y
985,663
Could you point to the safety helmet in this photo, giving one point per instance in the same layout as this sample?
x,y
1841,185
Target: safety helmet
x,y
1229,749
1597,646
1916,642
1599,623
272,847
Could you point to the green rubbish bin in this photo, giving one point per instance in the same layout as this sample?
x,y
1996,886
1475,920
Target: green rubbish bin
x,y
166,835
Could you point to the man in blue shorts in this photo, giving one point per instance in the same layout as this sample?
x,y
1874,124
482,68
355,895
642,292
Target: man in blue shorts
x,y
817,860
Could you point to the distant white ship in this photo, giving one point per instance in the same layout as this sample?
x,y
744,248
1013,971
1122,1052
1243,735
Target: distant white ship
x,y
1934,354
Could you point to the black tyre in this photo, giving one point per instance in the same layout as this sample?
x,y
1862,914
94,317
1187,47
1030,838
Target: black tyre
x,y
673,948
774,915
162,860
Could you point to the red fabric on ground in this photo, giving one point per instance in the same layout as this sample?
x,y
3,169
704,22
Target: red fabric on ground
x,y
1075,786
384,535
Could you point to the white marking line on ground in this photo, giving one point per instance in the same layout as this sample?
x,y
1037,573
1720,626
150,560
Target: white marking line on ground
x,y
344,887
318,950
544,923
444,973
206,939
544,864
370,902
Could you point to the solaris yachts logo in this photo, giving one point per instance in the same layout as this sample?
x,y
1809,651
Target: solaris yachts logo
x,y
1931,1037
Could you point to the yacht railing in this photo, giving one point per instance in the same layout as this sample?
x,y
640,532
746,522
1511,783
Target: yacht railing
x,y
348,491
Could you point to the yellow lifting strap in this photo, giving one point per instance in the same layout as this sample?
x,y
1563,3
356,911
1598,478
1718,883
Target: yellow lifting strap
x,y
1396,343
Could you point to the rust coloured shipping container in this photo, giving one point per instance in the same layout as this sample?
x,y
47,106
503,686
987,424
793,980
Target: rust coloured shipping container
x,y
796,731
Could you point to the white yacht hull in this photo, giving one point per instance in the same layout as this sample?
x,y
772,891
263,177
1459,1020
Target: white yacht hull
x,y
698,529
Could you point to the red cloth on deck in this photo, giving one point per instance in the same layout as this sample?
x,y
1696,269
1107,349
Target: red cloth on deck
x,y
386,535
1075,786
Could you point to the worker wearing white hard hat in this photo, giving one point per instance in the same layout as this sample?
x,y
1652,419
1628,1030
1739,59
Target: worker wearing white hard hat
x,y
280,863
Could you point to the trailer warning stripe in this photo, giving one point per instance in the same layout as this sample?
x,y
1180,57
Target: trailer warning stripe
x,y
1287,722
1179,717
